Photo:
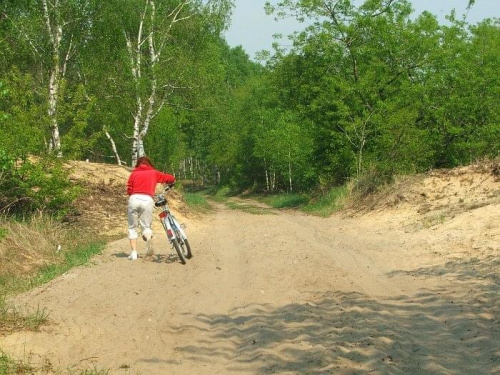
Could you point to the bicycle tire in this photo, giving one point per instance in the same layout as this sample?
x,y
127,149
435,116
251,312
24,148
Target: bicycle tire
x,y
189,254
184,245
178,250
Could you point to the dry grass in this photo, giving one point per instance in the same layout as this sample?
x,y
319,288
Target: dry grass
x,y
33,252
26,246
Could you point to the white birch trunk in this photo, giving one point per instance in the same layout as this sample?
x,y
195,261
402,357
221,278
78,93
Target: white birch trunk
x,y
182,168
135,65
113,146
267,175
149,104
273,179
55,35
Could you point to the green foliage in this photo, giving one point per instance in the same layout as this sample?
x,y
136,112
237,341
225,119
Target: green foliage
x,y
326,203
166,141
3,233
371,180
284,146
197,202
390,94
78,256
30,186
286,200
221,194
80,137
367,87
22,114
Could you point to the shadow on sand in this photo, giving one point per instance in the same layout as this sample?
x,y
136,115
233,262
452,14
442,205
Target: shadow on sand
x,y
432,332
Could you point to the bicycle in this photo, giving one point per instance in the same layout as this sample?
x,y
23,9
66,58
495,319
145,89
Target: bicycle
x,y
175,231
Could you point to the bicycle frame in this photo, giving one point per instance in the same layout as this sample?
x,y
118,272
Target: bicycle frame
x,y
174,230
170,223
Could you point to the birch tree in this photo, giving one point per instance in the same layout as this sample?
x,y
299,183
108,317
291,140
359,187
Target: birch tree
x,y
150,45
53,30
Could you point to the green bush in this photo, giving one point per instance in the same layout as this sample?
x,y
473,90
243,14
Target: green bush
x,y
371,181
326,203
29,186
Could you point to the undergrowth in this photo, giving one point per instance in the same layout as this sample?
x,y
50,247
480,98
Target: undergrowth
x,y
320,204
328,203
286,200
33,252
197,202
11,366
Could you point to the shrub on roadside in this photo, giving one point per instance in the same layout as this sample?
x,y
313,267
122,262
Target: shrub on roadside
x,y
327,202
371,181
28,186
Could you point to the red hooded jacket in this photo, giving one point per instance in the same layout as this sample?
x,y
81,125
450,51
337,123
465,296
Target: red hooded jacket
x,y
144,178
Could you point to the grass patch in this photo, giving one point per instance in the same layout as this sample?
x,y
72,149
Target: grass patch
x,y
327,204
221,195
286,200
197,202
12,319
10,366
76,257
33,252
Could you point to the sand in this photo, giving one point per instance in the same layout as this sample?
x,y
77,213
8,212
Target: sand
x,y
407,285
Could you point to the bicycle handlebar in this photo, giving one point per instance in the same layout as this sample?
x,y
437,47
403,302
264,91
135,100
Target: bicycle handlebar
x,y
166,188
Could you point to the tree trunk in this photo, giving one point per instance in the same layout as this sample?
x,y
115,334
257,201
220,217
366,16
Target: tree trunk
x,y
113,146
267,175
55,36
148,105
273,179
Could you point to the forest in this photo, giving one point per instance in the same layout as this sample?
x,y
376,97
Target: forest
x,y
367,92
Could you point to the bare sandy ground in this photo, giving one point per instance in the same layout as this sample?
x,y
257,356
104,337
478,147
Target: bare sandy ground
x,y
410,287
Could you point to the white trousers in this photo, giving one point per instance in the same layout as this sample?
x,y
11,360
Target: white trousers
x,y
140,214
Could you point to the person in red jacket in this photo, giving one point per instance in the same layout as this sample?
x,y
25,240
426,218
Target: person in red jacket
x,y
141,187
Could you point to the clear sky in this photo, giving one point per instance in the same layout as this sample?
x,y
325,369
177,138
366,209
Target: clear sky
x,y
253,29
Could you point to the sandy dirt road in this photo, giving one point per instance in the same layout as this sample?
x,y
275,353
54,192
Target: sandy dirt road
x,y
281,293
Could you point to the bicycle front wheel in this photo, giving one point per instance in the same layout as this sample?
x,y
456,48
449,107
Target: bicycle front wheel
x,y
179,250
187,249
183,244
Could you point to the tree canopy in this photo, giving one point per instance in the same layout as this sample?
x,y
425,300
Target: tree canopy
x,y
368,88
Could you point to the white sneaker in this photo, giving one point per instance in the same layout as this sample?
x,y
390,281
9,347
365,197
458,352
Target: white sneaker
x,y
133,255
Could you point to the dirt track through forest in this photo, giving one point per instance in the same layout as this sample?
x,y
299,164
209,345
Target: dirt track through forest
x,y
279,293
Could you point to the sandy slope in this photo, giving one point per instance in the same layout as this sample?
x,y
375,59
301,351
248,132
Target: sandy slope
x,y
397,290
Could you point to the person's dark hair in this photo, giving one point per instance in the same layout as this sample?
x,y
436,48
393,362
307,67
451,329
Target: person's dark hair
x,y
144,160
